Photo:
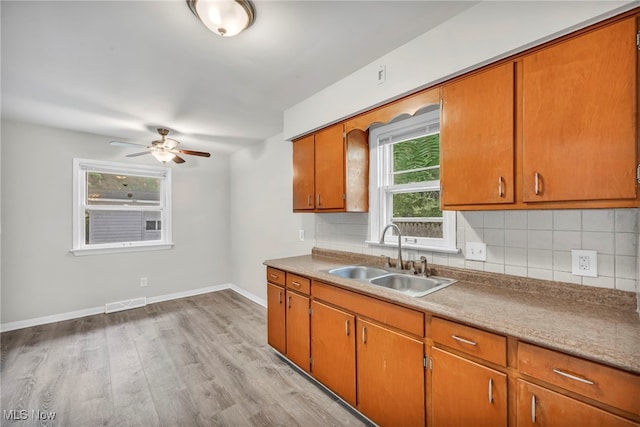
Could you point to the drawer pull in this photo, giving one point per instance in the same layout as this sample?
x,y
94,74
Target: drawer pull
x,y
573,377
462,340
296,284
273,276
490,390
346,327
533,408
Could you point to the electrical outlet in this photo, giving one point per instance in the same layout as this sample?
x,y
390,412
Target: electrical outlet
x,y
143,282
302,235
584,263
476,251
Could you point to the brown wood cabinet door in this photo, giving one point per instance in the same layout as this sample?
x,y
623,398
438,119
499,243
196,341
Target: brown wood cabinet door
x,y
579,117
333,350
276,335
537,406
298,345
477,138
390,376
466,393
304,174
330,168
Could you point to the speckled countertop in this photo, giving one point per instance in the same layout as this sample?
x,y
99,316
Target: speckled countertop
x,y
596,324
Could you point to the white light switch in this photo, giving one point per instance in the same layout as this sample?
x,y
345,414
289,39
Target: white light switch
x,y
584,263
476,251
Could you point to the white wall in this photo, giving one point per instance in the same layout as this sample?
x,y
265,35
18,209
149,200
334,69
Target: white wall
x,y
39,275
262,223
480,35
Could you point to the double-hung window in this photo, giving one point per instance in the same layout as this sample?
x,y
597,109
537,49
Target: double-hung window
x,y
405,184
120,207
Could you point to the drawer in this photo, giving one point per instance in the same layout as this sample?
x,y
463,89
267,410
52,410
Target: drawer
x,y
403,318
298,283
275,276
476,342
605,384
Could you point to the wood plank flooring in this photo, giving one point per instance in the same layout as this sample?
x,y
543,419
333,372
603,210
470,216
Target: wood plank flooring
x,y
198,361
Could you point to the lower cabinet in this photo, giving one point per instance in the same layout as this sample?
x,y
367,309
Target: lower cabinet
x,y
333,350
538,406
390,376
298,343
466,393
276,335
371,353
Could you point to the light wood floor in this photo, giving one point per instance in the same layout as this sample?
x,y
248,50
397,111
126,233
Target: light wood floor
x,y
194,361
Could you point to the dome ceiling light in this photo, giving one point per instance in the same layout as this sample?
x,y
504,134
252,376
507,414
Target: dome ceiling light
x,y
224,17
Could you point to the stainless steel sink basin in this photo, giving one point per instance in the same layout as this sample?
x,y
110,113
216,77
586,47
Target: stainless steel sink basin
x,y
358,272
415,286
412,285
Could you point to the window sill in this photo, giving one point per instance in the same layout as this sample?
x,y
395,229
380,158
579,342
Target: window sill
x,y
441,249
121,249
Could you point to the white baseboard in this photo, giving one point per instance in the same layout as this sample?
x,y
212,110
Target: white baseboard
x,y
20,324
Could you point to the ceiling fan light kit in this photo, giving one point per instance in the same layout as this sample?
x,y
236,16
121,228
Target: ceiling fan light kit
x,y
226,18
164,149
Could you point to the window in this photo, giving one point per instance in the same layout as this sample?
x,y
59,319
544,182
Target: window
x,y
120,207
405,185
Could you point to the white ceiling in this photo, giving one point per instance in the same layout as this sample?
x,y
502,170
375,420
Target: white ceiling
x,y
123,68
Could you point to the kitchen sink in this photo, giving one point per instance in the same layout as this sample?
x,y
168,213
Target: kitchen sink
x,y
412,285
358,272
415,286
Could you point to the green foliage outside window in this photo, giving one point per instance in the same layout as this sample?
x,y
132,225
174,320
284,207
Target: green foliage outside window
x,y
417,160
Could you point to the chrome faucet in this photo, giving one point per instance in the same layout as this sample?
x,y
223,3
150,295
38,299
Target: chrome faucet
x,y
425,270
399,265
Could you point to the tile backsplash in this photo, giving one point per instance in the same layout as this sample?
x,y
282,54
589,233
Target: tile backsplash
x,y
534,244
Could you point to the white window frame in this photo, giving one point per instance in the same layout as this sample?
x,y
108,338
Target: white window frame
x,y
381,191
80,169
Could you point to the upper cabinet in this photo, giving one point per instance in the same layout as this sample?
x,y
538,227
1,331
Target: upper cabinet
x,y
579,117
477,138
554,128
331,171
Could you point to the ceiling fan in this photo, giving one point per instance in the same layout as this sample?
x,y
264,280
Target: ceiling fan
x,y
164,149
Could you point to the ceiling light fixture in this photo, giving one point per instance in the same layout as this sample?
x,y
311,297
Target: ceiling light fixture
x,y
224,17
163,156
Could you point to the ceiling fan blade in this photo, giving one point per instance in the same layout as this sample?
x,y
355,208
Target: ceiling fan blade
x,y
127,144
178,159
139,154
194,153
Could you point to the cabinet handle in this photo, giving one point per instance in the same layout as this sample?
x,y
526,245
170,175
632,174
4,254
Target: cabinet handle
x,y
346,327
296,284
500,193
490,390
364,335
533,408
319,199
309,200
573,377
289,301
462,340
273,276
536,183
279,297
